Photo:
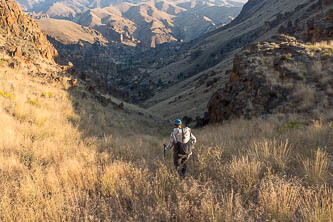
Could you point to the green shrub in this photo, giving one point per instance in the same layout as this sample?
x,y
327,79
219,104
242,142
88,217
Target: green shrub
x,y
27,157
315,48
293,125
41,121
328,52
34,102
47,94
2,60
7,95
289,56
74,120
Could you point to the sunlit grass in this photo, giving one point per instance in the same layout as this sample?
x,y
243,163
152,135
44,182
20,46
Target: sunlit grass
x,y
316,167
62,161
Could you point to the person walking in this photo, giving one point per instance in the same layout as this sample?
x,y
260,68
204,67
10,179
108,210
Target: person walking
x,y
182,140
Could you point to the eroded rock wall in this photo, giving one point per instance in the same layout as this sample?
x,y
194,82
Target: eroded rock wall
x,y
21,29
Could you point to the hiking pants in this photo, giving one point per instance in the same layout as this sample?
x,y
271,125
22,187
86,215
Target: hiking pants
x,y
179,161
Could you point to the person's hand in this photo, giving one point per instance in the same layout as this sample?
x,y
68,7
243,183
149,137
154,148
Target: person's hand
x,y
165,147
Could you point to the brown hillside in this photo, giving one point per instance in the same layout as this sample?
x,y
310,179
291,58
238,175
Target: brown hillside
x,y
69,32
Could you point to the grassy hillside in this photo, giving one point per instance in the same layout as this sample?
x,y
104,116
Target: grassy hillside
x,y
69,32
64,157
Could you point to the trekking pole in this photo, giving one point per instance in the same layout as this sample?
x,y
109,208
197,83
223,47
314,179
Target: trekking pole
x,y
164,151
193,166
193,161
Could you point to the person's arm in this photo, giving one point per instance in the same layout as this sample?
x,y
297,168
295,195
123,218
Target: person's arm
x,y
171,142
193,139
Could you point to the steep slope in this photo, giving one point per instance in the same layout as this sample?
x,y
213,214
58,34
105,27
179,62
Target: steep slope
x,y
25,49
44,106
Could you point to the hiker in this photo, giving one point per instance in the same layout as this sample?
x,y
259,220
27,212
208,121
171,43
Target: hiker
x,y
182,140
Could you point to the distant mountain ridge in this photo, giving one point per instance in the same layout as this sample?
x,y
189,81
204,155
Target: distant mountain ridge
x,y
83,5
141,22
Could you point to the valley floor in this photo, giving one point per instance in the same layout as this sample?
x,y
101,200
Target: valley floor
x,y
65,158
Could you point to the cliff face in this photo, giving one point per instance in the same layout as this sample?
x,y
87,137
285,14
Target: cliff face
x,y
24,37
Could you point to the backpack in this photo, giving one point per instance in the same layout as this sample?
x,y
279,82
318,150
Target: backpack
x,y
184,148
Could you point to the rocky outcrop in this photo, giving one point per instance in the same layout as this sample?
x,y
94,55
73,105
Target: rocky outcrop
x,y
315,25
319,28
280,76
324,3
21,29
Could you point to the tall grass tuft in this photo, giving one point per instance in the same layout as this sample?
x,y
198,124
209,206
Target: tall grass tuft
x,y
315,167
273,153
280,199
317,205
245,173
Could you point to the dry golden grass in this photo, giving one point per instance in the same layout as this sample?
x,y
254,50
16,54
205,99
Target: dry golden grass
x,y
246,174
272,153
317,205
316,167
64,161
279,199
